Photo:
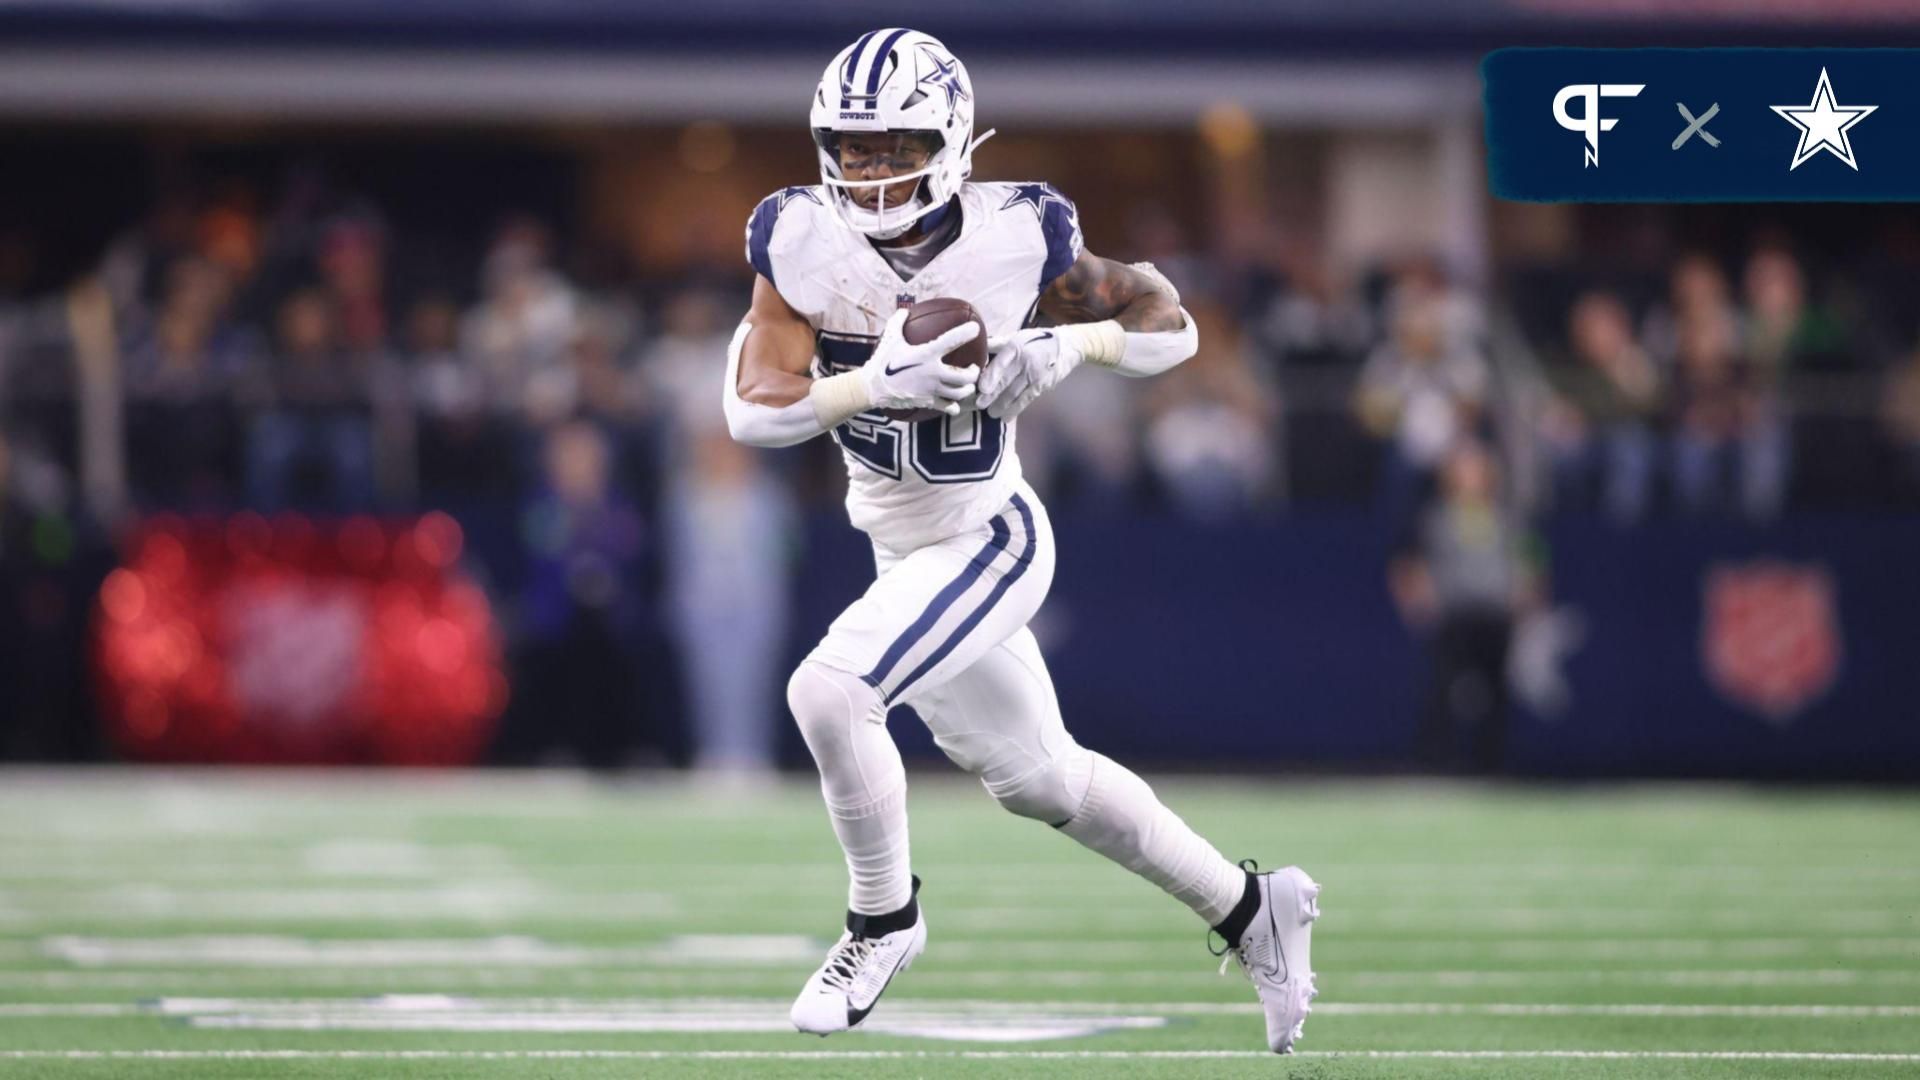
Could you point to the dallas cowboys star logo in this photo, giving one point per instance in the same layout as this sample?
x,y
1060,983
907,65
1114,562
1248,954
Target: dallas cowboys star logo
x,y
1034,195
946,76
1823,125
789,194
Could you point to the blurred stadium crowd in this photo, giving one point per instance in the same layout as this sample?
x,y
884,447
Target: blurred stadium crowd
x,y
289,347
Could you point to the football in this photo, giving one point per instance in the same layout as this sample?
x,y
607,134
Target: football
x,y
927,320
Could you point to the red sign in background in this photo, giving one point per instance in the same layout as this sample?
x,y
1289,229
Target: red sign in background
x,y
294,641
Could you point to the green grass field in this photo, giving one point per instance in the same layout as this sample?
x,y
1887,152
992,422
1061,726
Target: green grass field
x,y
435,925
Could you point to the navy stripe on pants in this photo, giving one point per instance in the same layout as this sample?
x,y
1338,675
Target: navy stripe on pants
x,y
1006,582
940,603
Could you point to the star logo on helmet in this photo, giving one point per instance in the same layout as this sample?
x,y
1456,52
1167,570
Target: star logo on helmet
x,y
946,76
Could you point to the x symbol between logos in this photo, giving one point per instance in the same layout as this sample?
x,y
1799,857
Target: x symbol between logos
x,y
1696,127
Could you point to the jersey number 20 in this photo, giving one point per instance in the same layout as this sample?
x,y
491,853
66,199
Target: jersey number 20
x,y
944,450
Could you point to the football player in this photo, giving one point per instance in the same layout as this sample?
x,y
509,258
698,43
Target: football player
x,y
962,547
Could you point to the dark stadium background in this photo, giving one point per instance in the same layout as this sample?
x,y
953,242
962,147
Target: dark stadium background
x,y
188,189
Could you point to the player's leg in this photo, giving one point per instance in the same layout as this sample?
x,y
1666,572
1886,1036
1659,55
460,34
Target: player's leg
x,y
1000,720
931,611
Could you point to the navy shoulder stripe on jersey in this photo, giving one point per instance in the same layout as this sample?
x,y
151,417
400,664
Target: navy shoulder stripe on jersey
x,y
760,234
760,225
1060,224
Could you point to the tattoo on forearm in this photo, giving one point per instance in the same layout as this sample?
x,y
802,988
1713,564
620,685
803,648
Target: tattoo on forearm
x,y
1094,288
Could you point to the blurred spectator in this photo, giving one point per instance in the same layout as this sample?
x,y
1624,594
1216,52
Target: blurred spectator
x,y
519,334
1310,320
1730,442
586,618
352,262
312,443
729,537
179,373
1209,441
1082,447
1462,578
1900,414
678,375
45,585
1154,235
1614,396
1697,292
446,387
461,449
1783,331
1425,395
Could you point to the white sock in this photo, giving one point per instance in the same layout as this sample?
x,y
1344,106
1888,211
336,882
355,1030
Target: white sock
x,y
874,837
862,779
1121,818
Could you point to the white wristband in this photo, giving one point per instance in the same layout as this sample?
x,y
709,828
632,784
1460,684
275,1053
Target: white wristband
x,y
837,398
1102,343
1136,353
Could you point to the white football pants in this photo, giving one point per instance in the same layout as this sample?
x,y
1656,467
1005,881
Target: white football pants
x,y
944,629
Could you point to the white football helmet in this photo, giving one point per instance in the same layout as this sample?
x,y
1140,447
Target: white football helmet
x,y
895,81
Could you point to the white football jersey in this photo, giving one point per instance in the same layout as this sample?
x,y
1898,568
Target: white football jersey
x,y
913,483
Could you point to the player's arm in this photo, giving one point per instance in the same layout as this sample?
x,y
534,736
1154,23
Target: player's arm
x,y
1127,318
1124,318
1094,289
771,400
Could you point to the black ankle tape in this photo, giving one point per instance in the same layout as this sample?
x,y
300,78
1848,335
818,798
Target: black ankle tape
x,y
893,922
1241,916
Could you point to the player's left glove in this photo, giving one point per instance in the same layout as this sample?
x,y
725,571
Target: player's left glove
x,y
1023,365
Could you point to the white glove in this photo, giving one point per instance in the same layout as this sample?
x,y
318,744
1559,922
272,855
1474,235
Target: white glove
x,y
1022,366
903,376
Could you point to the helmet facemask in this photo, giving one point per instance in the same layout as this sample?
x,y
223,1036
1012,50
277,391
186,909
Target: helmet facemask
x,y
873,206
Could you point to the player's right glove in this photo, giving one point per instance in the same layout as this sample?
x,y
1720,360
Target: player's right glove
x,y
903,376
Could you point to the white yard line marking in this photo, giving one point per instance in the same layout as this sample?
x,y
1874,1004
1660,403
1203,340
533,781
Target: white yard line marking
x,y
1810,1012
491,901
712,981
288,953
924,1055
283,953
616,1007
15,1010
1434,920
1655,977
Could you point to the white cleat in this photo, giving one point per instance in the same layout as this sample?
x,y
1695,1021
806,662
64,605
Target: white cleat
x,y
857,971
1276,953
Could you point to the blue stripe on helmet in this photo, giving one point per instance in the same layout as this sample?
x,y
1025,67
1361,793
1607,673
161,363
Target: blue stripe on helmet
x,y
880,61
853,67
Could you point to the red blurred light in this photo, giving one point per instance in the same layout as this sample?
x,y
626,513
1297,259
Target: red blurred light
x,y
123,596
362,543
248,534
298,641
438,540
163,557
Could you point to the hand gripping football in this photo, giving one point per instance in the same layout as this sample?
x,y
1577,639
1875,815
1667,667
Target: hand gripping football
x,y
927,320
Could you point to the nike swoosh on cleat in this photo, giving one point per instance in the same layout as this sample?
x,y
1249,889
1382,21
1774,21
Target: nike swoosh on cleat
x,y
854,1016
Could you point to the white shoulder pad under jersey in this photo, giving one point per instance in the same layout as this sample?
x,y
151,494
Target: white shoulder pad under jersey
x,y
913,483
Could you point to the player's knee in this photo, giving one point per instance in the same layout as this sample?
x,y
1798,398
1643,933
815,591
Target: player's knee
x,y
1052,792
826,702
